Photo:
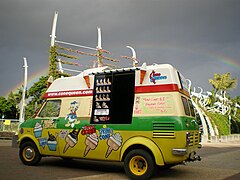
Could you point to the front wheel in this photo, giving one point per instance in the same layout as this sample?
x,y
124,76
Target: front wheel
x,y
139,164
29,154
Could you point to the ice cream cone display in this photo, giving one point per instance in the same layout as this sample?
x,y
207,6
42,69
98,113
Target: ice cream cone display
x,y
71,140
103,97
104,90
52,142
86,78
108,90
114,142
108,81
38,130
98,105
142,75
104,105
91,143
95,119
102,100
104,81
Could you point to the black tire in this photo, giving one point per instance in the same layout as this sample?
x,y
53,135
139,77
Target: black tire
x,y
139,164
29,154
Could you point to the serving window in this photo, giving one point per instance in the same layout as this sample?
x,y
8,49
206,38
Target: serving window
x,y
113,98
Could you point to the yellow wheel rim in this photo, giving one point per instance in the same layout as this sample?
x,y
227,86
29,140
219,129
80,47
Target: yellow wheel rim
x,y
28,153
138,165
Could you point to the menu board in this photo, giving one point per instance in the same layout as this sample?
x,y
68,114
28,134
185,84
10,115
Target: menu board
x,y
153,104
102,98
113,98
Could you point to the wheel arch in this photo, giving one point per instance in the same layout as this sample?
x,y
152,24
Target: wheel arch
x,y
24,139
142,143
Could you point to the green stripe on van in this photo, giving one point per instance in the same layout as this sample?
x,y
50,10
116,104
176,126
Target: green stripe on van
x,y
164,123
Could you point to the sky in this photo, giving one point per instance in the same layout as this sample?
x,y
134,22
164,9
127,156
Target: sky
x,y
198,37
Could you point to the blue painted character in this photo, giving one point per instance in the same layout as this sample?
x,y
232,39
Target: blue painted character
x,y
72,116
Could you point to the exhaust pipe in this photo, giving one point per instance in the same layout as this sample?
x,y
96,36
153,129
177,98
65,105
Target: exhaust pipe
x,y
193,157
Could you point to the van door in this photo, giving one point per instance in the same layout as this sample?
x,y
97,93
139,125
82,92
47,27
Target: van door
x,y
45,129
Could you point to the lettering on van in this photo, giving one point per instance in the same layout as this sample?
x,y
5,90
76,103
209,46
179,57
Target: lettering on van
x,y
68,93
153,104
154,76
105,133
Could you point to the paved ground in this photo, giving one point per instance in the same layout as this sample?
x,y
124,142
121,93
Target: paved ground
x,y
220,161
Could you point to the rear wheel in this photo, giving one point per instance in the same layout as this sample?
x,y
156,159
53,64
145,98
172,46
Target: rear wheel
x,y
139,164
29,154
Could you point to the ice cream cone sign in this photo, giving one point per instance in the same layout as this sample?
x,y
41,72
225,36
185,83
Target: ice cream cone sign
x,y
91,143
143,72
87,80
71,139
114,142
142,75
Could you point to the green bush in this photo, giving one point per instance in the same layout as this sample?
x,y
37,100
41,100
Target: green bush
x,y
221,121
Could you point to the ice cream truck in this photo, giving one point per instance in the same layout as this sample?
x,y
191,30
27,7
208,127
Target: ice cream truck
x,y
142,116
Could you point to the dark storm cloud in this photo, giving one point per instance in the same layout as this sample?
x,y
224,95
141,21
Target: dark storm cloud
x,y
179,32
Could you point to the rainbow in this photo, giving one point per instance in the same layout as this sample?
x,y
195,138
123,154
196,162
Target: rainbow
x,y
211,55
226,60
31,80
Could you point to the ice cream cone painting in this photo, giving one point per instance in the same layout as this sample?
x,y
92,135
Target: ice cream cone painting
x,y
91,140
52,142
38,130
143,72
142,75
71,140
91,143
114,142
86,78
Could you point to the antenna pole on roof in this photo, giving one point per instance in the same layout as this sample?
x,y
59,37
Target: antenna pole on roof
x,y
54,26
99,48
60,66
134,56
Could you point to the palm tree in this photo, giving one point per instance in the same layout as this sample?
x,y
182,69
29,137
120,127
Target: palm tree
x,y
223,83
